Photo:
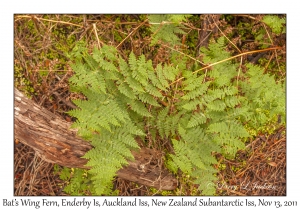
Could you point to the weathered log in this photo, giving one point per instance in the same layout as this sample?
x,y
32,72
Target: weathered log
x,y
55,141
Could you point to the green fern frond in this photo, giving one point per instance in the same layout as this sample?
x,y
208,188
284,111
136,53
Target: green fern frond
x,y
110,153
192,81
217,105
161,76
139,108
196,92
147,98
275,23
126,90
161,120
134,84
182,162
153,91
155,81
218,127
170,72
165,28
191,105
231,101
196,119
138,69
179,18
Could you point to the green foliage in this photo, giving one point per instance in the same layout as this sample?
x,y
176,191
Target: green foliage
x,y
200,115
77,180
166,28
21,81
275,23
266,98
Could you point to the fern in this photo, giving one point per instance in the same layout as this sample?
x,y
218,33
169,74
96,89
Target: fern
x,y
213,119
166,28
197,115
196,119
266,97
275,23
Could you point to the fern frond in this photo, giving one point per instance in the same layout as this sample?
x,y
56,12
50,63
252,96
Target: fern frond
x,y
217,105
218,127
109,52
179,18
191,105
275,23
196,92
170,72
205,180
147,98
161,77
134,84
155,81
142,67
164,30
196,119
126,90
132,62
138,69
192,81
110,153
153,91
182,162
124,68
170,125
231,101
161,120
139,108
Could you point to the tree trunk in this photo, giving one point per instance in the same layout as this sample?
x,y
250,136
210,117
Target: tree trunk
x,y
54,141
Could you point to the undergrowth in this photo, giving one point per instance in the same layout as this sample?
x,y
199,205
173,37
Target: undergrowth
x,y
199,112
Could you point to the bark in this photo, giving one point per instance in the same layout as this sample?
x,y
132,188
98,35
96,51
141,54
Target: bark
x,y
55,141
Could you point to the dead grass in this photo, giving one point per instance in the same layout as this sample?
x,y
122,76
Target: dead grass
x,y
32,175
260,170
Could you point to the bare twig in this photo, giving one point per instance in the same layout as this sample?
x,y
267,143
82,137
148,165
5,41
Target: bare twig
x,y
133,31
